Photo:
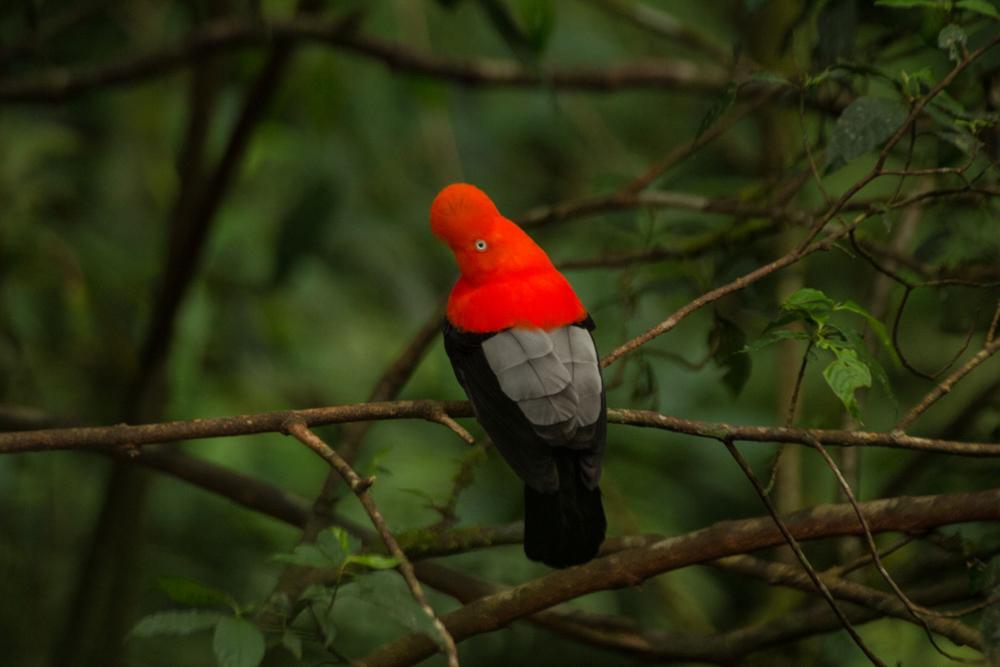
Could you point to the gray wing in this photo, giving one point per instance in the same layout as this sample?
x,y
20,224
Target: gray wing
x,y
554,378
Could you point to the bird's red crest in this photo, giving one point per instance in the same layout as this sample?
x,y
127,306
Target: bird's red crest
x,y
507,279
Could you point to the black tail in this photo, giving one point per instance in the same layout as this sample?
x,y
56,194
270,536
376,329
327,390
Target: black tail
x,y
566,527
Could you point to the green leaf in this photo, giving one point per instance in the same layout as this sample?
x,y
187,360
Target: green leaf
x,y
728,344
858,343
292,643
195,594
916,82
387,592
374,561
810,302
764,76
989,626
309,555
876,326
845,375
862,127
952,39
335,546
238,643
774,336
348,543
175,623
980,7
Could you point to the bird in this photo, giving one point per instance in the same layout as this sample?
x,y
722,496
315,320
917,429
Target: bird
x,y
520,343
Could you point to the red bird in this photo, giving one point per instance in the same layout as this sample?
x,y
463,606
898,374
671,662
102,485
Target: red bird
x,y
519,341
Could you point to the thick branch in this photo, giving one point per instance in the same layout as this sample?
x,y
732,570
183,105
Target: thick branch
x,y
654,556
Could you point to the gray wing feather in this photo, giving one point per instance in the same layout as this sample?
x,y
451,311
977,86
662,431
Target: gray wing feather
x,y
554,378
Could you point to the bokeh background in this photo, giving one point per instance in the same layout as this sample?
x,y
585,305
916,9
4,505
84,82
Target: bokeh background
x,y
317,267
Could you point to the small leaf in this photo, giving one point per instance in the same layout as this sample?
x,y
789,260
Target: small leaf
x,y
915,83
863,126
774,336
980,7
952,39
175,623
989,626
195,594
309,555
858,343
332,545
764,76
348,543
292,643
238,643
374,561
728,344
875,324
845,375
811,302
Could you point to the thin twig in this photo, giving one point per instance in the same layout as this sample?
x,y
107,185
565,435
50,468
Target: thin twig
x,y
949,382
724,290
360,487
781,573
799,554
916,611
56,85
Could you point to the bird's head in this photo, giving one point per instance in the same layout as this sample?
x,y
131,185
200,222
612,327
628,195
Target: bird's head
x,y
486,245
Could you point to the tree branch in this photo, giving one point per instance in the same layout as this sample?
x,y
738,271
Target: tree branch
x,y
648,556
56,85
127,436
360,488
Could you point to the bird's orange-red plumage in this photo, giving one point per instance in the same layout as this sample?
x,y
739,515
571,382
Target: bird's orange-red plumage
x,y
507,279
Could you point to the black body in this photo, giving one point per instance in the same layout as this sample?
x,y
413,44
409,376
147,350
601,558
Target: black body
x,y
564,521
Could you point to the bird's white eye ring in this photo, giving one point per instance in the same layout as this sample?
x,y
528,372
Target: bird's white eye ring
x,y
481,245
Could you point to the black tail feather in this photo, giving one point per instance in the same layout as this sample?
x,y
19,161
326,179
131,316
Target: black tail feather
x,y
566,527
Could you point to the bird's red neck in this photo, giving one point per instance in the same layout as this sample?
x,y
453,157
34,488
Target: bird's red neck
x,y
542,299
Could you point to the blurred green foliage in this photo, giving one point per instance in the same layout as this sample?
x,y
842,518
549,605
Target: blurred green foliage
x,y
320,266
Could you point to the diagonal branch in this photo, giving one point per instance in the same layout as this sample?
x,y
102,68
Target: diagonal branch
x,y
947,384
800,555
360,488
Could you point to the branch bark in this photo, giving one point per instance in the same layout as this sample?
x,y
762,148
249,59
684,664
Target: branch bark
x,y
124,437
650,556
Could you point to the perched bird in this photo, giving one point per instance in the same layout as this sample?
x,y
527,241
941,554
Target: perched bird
x,y
519,341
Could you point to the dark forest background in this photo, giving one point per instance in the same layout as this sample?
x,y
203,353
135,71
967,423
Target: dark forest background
x,y
220,208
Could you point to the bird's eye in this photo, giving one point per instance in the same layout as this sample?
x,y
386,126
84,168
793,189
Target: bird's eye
x,y
481,245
